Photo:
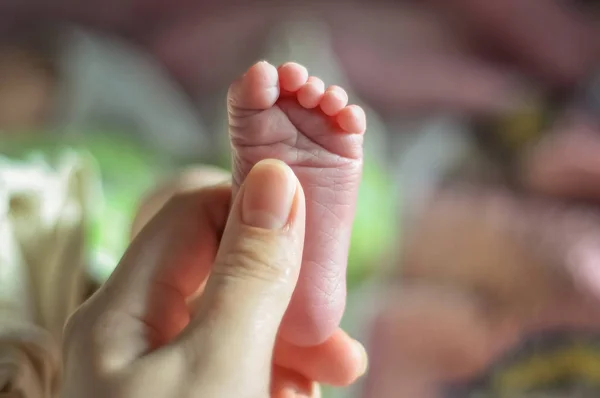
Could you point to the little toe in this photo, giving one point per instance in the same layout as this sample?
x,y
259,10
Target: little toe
x,y
334,100
310,94
257,89
292,76
352,119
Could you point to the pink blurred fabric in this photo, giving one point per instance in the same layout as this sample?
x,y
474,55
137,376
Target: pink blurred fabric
x,y
419,61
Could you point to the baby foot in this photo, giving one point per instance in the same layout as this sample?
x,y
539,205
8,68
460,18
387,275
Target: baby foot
x,y
285,114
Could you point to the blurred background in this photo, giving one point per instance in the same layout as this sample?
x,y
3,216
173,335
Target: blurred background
x,y
102,102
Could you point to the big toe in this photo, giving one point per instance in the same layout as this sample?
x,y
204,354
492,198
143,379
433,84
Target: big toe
x,y
257,89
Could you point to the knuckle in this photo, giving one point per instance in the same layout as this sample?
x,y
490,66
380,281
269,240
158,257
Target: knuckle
x,y
80,332
90,328
250,259
74,327
103,328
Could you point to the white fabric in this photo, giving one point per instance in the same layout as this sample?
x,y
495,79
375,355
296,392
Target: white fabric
x,y
43,215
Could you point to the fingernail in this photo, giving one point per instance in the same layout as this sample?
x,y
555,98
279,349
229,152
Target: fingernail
x,y
316,392
269,192
364,357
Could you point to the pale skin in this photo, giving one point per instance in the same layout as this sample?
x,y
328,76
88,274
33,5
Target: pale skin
x,y
284,113
239,262
449,301
296,370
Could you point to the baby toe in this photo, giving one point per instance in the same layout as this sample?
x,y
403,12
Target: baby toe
x,y
292,76
334,100
257,89
310,94
352,119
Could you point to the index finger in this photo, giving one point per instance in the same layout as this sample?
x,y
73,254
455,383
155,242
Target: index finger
x,y
144,302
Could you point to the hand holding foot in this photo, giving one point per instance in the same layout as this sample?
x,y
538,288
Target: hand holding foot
x,y
287,115
137,336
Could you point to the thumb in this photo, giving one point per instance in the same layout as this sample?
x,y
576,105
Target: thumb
x,y
255,271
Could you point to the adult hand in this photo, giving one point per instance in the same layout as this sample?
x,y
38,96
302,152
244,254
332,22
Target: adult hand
x,y
140,335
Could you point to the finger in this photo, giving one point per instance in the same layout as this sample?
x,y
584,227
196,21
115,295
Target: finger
x,y
255,271
339,361
189,180
143,303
